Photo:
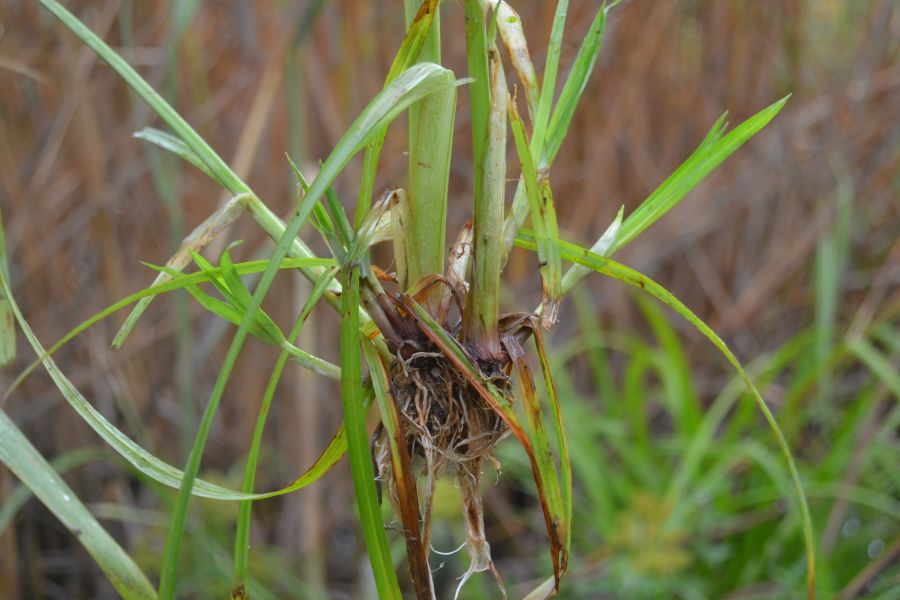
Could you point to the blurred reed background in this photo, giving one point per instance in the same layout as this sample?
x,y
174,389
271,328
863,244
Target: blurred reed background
x,y
794,243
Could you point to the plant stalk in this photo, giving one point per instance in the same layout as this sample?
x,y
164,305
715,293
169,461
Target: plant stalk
x,y
483,302
431,124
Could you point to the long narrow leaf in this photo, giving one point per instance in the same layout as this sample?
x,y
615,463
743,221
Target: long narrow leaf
x,y
431,126
415,38
562,440
21,494
423,36
479,91
242,537
710,154
358,442
169,142
548,82
602,247
574,86
543,455
338,238
610,268
144,461
543,216
262,327
7,323
180,282
405,482
23,459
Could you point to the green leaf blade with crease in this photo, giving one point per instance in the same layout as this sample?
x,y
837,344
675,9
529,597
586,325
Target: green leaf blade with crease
x,y
711,152
23,459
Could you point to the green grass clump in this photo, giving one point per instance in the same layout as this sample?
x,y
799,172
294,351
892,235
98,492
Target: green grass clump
x,y
448,373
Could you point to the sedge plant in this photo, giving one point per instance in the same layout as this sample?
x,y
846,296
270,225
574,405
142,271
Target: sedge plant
x,y
446,370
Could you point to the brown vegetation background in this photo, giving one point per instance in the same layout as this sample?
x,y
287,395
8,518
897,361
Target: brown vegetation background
x,y
83,202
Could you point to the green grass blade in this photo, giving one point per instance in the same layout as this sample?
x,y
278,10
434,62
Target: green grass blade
x,y
714,149
141,459
220,308
7,322
877,363
410,86
552,501
479,91
233,314
610,268
169,142
240,295
220,171
562,440
548,82
574,87
23,459
242,536
215,276
358,442
423,35
405,482
416,36
543,216
232,287
181,282
19,496
479,321
338,237
311,361
602,247
262,327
